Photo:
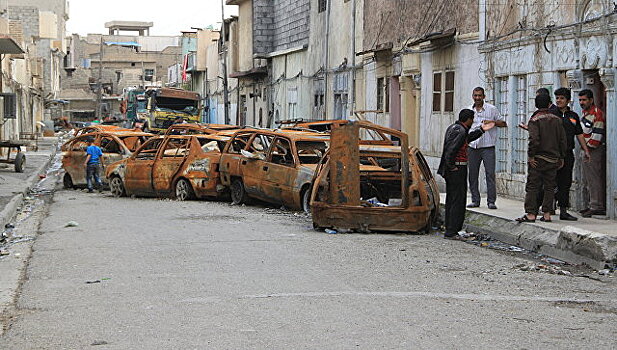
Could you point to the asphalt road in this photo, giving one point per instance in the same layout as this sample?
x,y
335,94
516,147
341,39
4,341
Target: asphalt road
x,y
207,275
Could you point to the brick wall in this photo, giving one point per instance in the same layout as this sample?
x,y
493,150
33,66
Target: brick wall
x,y
29,18
280,24
396,21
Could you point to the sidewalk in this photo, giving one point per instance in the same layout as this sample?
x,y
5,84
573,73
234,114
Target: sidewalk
x,y
589,240
14,186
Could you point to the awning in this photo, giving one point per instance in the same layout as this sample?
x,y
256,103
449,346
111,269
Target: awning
x,y
436,39
256,72
9,46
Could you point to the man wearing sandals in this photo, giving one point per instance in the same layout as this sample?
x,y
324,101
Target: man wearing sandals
x,y
547,149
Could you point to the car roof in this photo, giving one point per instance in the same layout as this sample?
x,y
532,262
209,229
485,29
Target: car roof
x,y
291,134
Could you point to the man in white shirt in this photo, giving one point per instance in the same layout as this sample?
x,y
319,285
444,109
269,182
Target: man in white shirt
x,y
483,149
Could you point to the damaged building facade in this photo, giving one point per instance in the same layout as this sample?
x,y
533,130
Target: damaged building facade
x,y
549,45
125,58
33,76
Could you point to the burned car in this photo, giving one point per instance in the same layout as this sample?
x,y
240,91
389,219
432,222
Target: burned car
x,y
99,127
368,188
198,129
373,136
275,167
115,146
180,166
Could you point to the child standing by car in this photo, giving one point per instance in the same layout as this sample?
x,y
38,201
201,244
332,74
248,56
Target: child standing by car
x,y
93,162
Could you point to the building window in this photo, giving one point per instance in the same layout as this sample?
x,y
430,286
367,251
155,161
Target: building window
x,y
118,76
502,138
318,99
443,87
449,92
292,103
437,92
321,5
149,73
519,154
386,95
380,87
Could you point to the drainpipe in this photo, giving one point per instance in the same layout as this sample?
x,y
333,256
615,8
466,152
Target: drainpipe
x,y
326,51
353,58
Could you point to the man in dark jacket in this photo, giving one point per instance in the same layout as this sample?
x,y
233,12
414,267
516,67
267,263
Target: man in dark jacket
x,y
546,152
453,168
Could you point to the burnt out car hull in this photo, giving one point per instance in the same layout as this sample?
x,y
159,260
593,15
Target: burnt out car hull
x,y
372,188
172,166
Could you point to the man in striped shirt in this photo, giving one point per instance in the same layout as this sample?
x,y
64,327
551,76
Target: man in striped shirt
x,y
594,171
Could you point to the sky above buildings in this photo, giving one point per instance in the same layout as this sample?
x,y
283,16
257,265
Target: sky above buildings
x,y
169,17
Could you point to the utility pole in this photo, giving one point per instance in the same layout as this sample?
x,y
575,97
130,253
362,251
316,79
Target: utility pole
x,y
99,92
225,86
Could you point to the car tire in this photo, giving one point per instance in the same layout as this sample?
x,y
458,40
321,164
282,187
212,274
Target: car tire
x,y
116,186
183,190
20,162
67,182
306,200
238,193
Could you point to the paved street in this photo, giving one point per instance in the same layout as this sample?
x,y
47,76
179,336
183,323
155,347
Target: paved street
x,y
192,275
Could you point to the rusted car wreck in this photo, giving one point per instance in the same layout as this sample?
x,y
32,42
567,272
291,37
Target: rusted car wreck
x,y
272,166
115,145
180,166
368,187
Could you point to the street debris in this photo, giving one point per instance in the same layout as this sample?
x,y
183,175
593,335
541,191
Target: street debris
x,y
555,270
71,224
92,282
330,231
99,342
4,252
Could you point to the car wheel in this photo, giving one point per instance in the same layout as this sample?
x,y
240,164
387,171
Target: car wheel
x,y
116,186
306,200
238,193
184,191
67,181
20,162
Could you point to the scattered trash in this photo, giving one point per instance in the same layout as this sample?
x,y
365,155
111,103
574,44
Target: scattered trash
x,y
17,255
375,202
71,224
105,278
95,281
9,226
330,231
604,272
72,198
42,176
99,342
4,252
555,270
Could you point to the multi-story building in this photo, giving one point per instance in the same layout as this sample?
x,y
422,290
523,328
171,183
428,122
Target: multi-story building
x,y
125,58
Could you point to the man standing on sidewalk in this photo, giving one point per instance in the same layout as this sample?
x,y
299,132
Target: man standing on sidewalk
x,y
547,149
93,162
572,127
483,149
453,168
594,171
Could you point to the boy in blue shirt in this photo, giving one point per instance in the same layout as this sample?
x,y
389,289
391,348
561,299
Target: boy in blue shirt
x,y
93,162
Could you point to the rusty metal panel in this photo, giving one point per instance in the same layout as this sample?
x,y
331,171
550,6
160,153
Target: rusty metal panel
x,y
345,165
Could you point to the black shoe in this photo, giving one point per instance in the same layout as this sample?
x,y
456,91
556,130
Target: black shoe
x,y
473,205
90,190
492,206
564,215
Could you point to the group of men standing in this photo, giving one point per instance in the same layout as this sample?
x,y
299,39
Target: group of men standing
x,y
552,129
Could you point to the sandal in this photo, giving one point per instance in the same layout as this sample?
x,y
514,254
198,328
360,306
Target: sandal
x,y
546,220
524,218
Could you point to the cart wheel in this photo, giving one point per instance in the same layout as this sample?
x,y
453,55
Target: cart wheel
x,y
20,162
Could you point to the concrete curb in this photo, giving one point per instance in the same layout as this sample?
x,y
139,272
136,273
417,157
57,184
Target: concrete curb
x,y
571,244
7,213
